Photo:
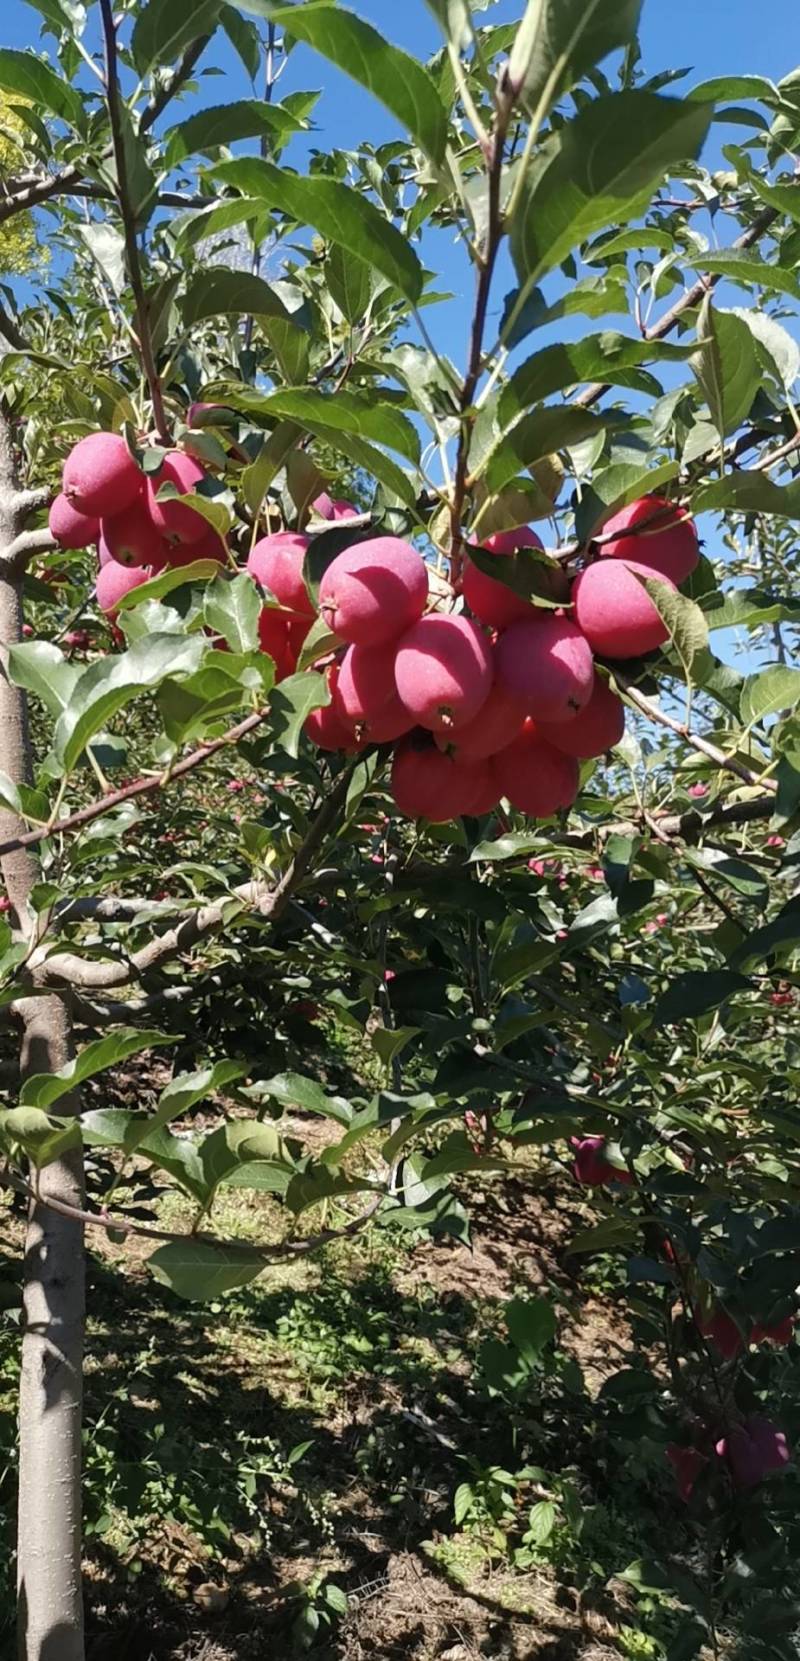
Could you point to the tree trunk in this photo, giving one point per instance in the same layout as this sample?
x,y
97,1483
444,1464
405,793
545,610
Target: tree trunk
x,y
49,1535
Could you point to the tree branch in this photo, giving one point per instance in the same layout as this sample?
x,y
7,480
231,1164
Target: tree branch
x,y
693,297
711,751
129,223
119,1224
493,150
183,70
140,787
21,551
73,970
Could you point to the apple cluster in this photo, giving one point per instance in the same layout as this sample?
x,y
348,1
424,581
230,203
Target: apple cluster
x,y
499,701
106,500
502,701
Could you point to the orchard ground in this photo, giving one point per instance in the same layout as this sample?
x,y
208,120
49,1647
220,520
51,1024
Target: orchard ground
x,y
332,1427
370,1355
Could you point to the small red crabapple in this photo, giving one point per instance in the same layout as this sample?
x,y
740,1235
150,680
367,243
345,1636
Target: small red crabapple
x,y
698,790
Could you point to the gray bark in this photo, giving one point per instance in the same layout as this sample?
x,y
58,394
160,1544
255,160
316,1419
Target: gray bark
x,y
50,1626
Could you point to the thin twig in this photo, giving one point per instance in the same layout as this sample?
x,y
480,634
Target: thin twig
x,y
711,751
494,150
118,1224
139,787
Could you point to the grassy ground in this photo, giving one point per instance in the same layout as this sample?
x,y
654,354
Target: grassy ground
x,y
278,1473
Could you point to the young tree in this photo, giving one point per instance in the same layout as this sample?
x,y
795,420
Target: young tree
x,y
415,645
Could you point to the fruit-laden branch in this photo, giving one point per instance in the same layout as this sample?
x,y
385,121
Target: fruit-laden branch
x,y
69,969
729,764
129,222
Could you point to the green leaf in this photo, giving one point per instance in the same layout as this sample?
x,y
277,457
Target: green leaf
x,y
507,847
600,169
733,86
163,30
768,692
43,1139
611,358
244,39
175,576
777,349
389,1042
783,931
177,1097
304,1095
614,488
609,1235
688,629
40,668
747,269
218,291
749,493
536,435
111,683
350,283
532,574
45,1088
726,366
223,124
257,478
340,215
541,1522
695,993
232,608
349,413
559,40
290,705
337,421
107,247
531,1324
197,1270
24,73
399,81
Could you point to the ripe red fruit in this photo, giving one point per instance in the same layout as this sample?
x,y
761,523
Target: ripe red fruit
x,y
666,538
71,528
374,591
428,784
114,581
722,1332
534,776
175,519
498,722
591,1166
131,537
615,611
687,1463
100,475
277,563
490,600
779,1334
598,728
753,1450
367,696
326,727
327,507
443,671
274,638
366,681
546,662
